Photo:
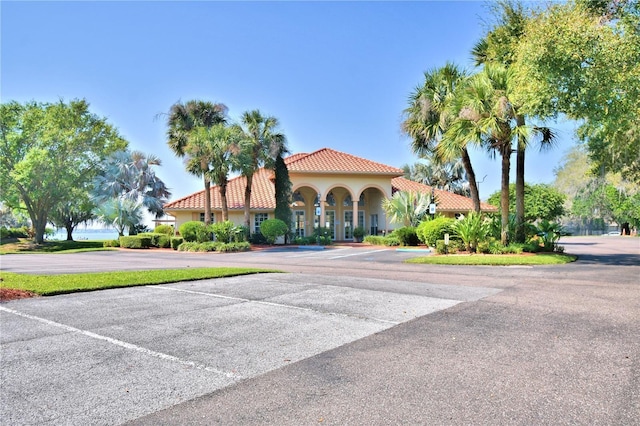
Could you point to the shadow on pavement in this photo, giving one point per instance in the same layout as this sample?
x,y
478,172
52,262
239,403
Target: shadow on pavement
x,y
609,259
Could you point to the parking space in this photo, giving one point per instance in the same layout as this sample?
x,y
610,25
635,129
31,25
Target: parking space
x,y
110,356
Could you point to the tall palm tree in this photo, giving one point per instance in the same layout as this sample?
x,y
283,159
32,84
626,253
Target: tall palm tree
x,y
182,121
428,117
486,117
260,146
210,151
499,46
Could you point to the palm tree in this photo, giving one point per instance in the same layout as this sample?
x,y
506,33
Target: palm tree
x,y
406,207
428,117
182,122
260,146
445,175
121,213
130,175
499,46
210,152
486,117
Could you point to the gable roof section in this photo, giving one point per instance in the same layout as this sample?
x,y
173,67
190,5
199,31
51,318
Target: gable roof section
x,y
446,201
329,161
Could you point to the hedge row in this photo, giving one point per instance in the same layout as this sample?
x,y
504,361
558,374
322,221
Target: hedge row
x,y
214,246
146,240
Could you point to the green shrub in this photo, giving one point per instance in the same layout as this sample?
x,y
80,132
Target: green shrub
x,y
473,230
164,229
223,231
154,237
194,246
22,232
391,240
441,247
194,231
359,233
321,236
240,234
513,248
304,241
234,247
486,247
407,236
176,241
272,229
376,240
164,241
549,233
433,230
135,242
217,246
111,243
257,238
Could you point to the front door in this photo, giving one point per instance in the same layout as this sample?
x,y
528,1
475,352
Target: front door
x,y
330,222
374,224
348,225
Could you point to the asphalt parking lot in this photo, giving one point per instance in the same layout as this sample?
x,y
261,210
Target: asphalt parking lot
x,y
356,339
111,356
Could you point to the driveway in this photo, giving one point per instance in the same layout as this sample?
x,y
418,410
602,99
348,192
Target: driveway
x,y
358,339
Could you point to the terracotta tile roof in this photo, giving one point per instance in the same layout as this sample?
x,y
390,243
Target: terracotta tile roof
x,y
262,195
263,190
329,161
446,201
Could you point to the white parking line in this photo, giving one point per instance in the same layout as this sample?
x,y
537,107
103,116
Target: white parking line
x,y
357,254
317,253
122,344
262,302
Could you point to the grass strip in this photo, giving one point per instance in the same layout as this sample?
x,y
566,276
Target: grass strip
x,y
496,260
48,285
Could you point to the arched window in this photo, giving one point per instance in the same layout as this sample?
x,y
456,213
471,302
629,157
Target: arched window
x,y
331,200
347,201
297,199
361,201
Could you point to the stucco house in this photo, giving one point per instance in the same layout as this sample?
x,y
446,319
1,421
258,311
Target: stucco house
x,y
331,189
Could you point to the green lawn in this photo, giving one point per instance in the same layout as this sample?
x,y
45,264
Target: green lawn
x,y
27,246
69,283
496,260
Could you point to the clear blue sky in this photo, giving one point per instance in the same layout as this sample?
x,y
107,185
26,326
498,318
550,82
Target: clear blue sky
x,y
336,74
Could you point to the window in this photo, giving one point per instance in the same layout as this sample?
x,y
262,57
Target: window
x,y
298,224
347,201
213,218
361,200
331,200
297,200
258,219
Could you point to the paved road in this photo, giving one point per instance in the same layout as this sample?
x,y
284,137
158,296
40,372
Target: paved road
x,y
358,339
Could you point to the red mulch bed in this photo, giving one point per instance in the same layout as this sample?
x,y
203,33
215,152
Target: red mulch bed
x,y
7,294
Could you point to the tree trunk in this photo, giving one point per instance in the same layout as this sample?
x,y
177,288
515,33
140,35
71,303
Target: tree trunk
x,y
520,156
504,194
223,199
207,200
69,229
247,201
39,226
471,175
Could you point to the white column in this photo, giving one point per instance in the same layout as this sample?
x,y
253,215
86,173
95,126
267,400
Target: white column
x,y
321,221
355,215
